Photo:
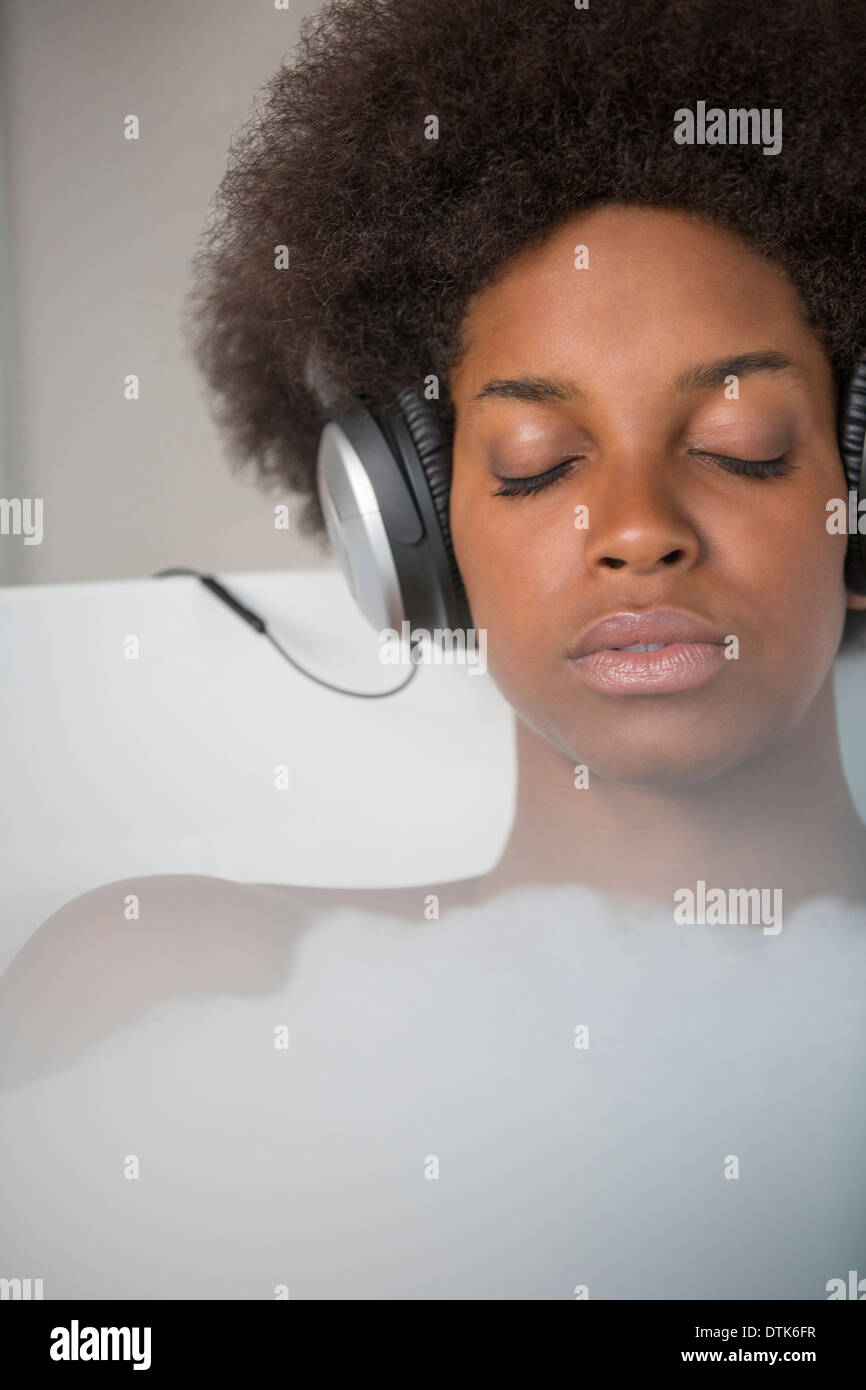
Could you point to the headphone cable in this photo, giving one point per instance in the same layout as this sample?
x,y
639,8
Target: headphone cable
x,y
260,626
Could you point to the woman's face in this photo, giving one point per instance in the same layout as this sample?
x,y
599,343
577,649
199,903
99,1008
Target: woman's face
x,y
624,372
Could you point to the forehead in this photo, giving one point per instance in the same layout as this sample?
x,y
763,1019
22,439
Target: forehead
x,y
653,290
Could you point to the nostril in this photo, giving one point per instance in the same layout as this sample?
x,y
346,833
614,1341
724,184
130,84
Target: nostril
x,y
670,558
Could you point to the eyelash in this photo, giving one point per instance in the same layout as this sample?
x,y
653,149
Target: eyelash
x,y
522,487
745,468
750,468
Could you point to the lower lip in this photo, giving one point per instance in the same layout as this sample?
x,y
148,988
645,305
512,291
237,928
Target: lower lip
x,y
681,666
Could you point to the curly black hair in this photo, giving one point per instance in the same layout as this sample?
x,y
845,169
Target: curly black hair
x,y
543,109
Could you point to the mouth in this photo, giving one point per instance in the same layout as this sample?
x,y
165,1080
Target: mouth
x,y
656,652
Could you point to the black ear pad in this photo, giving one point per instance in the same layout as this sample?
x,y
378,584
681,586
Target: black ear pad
x,y
852,435
435,459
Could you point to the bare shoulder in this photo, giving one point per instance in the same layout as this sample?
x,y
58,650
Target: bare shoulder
x,y
107,956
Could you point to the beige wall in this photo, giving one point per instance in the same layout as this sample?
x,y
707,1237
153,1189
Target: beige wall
x,y
99,232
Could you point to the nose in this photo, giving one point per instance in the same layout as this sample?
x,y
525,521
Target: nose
x,y
639,526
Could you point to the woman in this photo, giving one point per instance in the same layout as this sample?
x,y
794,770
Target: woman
x,y
606,1068
457,260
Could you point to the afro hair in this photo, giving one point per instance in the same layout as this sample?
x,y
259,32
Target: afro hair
x,y
543,109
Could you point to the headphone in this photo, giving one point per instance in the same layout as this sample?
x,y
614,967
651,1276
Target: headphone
x,y
383,486
852,447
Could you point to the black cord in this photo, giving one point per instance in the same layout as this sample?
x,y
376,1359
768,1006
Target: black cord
x,y
259,625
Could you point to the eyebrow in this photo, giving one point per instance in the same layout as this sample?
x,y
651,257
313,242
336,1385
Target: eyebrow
x,y
706,374
539,390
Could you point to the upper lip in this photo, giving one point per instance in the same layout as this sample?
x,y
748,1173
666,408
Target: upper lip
x,y
656,625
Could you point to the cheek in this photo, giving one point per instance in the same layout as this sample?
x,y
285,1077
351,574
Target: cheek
x,y
800,587
522,571
524,583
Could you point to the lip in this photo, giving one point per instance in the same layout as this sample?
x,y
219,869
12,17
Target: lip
x,y
693,653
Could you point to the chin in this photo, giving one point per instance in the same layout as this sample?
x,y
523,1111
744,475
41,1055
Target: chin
x,y
670,756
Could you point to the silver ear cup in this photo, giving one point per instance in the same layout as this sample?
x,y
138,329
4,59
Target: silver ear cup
x,y
356,530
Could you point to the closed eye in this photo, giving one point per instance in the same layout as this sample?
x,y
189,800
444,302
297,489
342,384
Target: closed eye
x,y
750,468
523,487
747,468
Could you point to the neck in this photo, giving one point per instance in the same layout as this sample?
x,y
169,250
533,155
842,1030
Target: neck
x,y
784,818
